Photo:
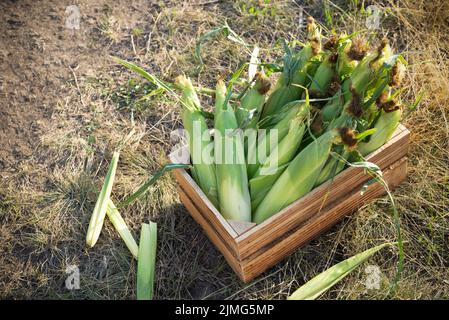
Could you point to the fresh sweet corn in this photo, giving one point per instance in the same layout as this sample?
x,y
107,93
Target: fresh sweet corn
x,y
276,162
252,102
297,70
232,179
299,177
385,126
200,141
259,150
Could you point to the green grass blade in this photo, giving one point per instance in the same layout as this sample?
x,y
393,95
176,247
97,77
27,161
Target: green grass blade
x,y
121,227
325,280
151,78
168,167
226,30
97,218
146,261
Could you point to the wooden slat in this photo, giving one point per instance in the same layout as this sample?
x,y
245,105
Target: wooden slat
x,y
211,232
309,205
210,213
257,263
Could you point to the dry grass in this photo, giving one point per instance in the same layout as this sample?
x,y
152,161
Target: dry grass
x,y
45,205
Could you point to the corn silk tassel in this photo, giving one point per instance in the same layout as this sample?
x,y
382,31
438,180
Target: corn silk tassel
x,y
200,141
295,73
232,179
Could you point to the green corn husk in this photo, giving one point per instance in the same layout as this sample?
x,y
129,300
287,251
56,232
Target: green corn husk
x,y
296,70
259,150
369,76
325,280
276,162
201,149
146,261
299,177
345,65
366,72
333,108
97,218
385,126
333,165
252,102
323,77
220,97
232,179
349,55
121,227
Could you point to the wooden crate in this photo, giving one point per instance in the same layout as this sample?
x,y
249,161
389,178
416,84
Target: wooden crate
x,y
251,249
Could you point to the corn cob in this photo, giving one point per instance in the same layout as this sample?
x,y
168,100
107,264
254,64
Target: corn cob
x,y
296,70
386,124
333,165
299,177
349,55
253,102
277,161
232,179
200,141
326,72
264,145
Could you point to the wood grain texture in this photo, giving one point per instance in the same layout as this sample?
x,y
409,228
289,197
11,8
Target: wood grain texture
x,y
309,205
266,257
210,213
220,243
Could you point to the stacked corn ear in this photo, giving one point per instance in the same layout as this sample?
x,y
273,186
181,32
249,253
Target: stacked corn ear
x,y
267,140
296,73
248,113
390,113
334,164
295,146
232,179
201,153
298,178
278,159
350,53
326,71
